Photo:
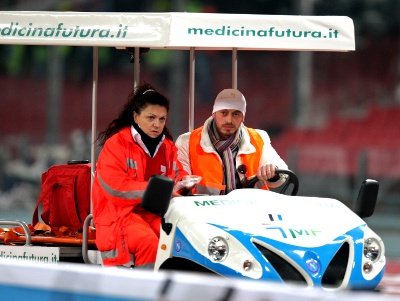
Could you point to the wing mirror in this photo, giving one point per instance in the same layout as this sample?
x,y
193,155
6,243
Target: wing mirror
x,y
366,200
158,194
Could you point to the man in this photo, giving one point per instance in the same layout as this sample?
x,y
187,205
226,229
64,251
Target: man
x,y
225,153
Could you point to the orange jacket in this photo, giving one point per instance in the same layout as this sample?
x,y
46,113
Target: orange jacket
x,y
117,189
209,166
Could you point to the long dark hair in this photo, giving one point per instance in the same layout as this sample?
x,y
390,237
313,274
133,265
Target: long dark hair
x,y
138,100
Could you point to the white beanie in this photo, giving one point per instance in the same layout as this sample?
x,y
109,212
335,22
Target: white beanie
x,y
230,99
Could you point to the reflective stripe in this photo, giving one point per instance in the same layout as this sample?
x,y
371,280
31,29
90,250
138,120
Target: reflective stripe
x,y
131,263
130,163
146,266
109,254
133,194
114,254
175,169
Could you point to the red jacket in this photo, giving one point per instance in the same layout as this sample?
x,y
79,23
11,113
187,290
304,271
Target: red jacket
x,y
118,186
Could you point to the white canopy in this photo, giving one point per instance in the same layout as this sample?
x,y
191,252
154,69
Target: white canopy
x,y
178,30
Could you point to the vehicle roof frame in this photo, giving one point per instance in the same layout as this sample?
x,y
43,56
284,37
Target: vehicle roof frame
x,y
179,31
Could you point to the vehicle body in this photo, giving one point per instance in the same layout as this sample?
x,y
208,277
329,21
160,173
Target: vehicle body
x,y
268,236
265,235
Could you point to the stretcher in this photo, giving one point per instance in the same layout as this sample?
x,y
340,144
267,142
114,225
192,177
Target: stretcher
x,y
41,240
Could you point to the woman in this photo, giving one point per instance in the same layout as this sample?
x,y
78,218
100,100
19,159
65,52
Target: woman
x,y
136,145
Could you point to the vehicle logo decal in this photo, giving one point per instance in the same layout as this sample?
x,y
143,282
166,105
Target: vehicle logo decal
x,y
312,265
224,202
271,217
178,246
295,233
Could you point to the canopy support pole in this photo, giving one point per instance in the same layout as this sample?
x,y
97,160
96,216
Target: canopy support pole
x,y
234,68
136,68
94,105
94,111
191,89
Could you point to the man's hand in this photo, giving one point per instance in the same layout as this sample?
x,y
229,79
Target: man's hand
x,y
266,172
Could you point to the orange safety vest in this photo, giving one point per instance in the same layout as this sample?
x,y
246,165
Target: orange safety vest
x,y
209,166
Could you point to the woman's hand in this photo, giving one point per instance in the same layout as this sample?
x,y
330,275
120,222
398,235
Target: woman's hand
x,y
185,186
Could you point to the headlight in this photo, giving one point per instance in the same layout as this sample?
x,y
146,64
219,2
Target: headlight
x,y
218,249
372,249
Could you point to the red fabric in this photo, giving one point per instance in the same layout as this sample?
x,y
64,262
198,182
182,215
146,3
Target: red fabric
x,y
117,191
153,165
145,242
65,196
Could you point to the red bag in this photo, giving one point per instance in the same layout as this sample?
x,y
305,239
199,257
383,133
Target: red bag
x,y
65,196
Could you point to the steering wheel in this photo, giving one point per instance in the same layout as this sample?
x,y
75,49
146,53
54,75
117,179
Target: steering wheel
x,y
291,179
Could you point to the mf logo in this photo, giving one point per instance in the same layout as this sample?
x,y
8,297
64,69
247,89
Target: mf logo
x,y
294,233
